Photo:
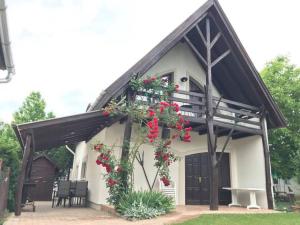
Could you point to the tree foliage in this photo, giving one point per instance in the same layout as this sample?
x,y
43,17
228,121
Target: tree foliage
x,y
32,109
283,80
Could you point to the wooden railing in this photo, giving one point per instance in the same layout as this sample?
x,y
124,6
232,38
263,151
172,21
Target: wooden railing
x,y
227,113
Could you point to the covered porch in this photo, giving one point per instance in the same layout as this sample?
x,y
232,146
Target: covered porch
x,y
52,133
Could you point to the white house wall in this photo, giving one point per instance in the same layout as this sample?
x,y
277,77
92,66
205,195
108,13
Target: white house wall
x,y
180,61
249,168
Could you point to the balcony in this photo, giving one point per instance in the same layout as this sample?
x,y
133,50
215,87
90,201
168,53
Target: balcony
x,y
228,114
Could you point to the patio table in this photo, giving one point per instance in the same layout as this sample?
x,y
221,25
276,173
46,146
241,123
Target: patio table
x,y
251,191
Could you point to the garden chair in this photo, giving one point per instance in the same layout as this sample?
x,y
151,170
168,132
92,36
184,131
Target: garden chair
x,y
81,192
62,193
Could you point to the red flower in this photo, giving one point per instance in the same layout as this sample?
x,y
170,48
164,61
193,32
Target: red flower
x,y
188,129
111,182
179,126
105,113
161,109
181,119
176,87
187,138
165,157
153,78
176,107
151,112
98,162
150,124
146,81
108,168
165,181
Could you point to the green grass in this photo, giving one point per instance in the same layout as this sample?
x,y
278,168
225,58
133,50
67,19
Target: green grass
x,y
246,219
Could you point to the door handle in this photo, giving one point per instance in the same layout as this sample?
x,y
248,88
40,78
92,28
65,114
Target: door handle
x,y
200,179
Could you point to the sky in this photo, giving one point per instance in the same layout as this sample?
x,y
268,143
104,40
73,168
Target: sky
x,y
71,50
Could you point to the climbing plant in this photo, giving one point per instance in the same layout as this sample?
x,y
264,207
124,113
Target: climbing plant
x,y
151,111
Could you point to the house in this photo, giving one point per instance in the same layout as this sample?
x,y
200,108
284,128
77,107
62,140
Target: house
x,y
43,174
205,58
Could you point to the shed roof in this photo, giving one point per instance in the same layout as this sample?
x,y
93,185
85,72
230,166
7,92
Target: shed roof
x,y
235,77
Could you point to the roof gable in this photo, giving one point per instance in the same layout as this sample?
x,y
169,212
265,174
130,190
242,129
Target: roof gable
x,y
243,82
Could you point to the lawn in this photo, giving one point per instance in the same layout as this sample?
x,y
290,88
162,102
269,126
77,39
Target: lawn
x,y
246,219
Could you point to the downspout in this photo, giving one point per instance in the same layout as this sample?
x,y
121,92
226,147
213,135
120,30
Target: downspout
x,y
5,44
70,150
73,153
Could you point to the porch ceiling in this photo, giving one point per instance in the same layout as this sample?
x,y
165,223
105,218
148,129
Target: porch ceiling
x,y
68,130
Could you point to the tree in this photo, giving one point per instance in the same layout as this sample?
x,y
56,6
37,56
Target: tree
x,y
283,80
32,109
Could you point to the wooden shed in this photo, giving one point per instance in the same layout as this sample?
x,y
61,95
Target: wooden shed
x,y
43,174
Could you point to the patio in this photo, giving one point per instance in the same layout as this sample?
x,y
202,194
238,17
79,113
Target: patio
x,y
72,216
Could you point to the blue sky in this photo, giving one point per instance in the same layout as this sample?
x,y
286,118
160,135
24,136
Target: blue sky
x,y
70,50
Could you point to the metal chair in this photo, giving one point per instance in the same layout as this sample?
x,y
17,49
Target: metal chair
x,y
81,191
62,193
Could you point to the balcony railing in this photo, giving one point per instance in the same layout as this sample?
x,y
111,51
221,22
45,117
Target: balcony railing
x,y
227,113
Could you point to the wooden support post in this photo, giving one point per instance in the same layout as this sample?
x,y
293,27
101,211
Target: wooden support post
x,y
267,162
212,162
21,177
126,142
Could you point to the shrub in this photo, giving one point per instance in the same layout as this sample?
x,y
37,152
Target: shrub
x,y
144,205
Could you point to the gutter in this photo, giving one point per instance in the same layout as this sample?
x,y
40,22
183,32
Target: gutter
x,y
5,43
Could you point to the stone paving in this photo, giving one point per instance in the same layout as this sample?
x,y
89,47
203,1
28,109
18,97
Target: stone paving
x,y
45,215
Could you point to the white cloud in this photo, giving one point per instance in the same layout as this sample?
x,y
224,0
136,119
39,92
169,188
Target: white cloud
x,y
71,50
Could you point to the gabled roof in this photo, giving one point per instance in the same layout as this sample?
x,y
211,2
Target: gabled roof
x,y
236,77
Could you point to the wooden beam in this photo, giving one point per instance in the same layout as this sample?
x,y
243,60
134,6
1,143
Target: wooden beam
x,y
214,41
21,177
211,139
195,50
201,35
216,61
238,128
237,119
267,163
235,103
